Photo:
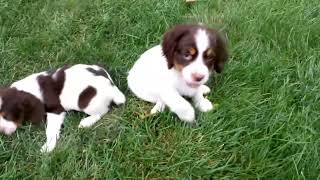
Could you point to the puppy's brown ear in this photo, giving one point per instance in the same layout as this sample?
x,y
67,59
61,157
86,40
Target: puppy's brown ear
x,y
221,53
2,91
33,108
170,42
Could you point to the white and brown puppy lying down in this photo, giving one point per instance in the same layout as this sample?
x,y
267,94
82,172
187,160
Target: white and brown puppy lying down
x,y
46,96
179,67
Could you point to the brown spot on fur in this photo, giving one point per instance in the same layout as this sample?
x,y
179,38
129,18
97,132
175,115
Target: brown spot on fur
x,y
178,67
51,86
60,77
19,106
86,96
100,72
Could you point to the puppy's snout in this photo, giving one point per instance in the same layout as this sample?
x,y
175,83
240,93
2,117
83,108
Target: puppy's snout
x,y
197,77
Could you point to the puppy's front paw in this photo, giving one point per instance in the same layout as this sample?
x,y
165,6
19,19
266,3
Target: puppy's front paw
x,y
159,107
89,121
47,147
85,123
204,105
187,115
204,89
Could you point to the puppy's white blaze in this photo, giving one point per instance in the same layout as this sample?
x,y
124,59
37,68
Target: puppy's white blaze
x,y
202,41
198,66
7,127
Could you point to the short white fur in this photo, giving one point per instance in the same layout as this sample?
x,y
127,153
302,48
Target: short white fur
x,y
7,127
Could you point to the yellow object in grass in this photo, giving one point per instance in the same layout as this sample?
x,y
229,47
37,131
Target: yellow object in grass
x,y
215,106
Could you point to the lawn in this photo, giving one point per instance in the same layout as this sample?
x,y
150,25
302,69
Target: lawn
x,y
267,124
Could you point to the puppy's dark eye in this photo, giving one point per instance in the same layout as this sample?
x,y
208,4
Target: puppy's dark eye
x,y
187,56
209,54
190,53
4,116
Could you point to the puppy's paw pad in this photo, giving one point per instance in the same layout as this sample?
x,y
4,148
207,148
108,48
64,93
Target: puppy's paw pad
x,y
205,105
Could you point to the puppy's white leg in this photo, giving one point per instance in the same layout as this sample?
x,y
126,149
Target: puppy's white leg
x,y
54,122
89,121
159,107
202,103
96,109
118,96
179,105
204,89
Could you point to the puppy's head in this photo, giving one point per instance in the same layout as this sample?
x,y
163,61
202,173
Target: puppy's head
x,y
15,106
194,51
10,111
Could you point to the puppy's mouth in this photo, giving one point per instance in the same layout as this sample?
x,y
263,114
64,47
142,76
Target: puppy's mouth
x,y
193,84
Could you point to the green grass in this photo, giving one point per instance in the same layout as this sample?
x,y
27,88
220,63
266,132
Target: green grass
x,y
267,124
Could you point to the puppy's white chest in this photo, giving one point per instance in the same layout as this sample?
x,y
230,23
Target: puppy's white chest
x,y
185,90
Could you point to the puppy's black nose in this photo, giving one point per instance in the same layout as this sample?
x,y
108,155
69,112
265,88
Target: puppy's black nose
x,y
197,77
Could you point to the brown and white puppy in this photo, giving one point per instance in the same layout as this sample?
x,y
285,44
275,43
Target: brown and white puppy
x,y
46,96
180,66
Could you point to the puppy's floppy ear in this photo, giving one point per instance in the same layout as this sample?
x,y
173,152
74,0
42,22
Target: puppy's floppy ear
x,y
221,53
171,40
33,108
